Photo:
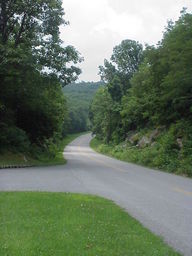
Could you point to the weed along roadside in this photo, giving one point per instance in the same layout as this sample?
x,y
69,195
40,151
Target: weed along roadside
x,y
159,149
21,160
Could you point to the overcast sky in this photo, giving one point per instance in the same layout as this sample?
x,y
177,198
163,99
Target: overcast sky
x,y
96,26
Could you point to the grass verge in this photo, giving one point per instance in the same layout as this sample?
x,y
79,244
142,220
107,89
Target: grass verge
x,y
60,224
156,157
43,159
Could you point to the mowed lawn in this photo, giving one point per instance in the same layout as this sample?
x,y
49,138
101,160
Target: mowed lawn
x,y
57,224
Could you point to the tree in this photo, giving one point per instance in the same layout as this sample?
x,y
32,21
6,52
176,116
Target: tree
x,y
162,87
117,73
124,63
151,88
101,115
104,116
79,97
127,56
29,34
176,46
33,65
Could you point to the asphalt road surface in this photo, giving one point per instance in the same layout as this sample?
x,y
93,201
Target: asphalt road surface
x,y
160,201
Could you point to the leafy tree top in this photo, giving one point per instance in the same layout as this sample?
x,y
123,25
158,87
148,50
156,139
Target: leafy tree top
x,y
124,61
33,26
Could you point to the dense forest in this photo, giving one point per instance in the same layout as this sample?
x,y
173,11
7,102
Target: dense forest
x,y
34,65
144,113
79,97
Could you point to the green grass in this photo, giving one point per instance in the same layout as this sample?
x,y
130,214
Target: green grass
x,y
15,159
63,224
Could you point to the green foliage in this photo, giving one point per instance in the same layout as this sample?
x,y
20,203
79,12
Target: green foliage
x,y
71,224
161,89
127,56
165,153
13,137
79,97
51,153
115,89
156,92
29,35
124,63
104,115
33,65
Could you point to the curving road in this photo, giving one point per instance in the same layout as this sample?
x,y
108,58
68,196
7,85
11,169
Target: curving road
x,y
160,201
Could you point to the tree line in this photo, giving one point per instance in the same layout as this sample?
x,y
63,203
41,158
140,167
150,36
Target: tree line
x,y
147,88
79,97
34,65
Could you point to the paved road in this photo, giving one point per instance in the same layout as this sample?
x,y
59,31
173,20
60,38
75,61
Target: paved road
x,y
161,201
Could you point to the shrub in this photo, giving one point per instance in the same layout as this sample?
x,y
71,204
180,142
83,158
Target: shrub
x,y
14,139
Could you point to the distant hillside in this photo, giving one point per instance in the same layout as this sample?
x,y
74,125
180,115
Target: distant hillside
x,y
79,97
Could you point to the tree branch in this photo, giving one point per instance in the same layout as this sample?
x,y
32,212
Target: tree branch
x,y
21,30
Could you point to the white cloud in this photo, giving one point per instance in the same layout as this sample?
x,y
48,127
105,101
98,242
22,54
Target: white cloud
x,y
97,26
121,24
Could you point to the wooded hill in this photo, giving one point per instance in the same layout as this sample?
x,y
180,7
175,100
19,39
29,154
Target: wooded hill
x,y
79,97
144,114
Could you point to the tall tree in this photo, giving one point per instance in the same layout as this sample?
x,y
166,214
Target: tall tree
x,y
118,72
123,63
154,87
33,64
32,28
162,88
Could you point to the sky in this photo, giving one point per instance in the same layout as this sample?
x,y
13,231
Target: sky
x,y
96,26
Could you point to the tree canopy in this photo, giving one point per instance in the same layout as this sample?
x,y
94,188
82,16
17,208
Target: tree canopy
x,y
124,63
34,64
158,83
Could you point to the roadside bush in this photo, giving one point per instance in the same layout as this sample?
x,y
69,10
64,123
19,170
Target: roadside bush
x,y
164,154
13,138
48,148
